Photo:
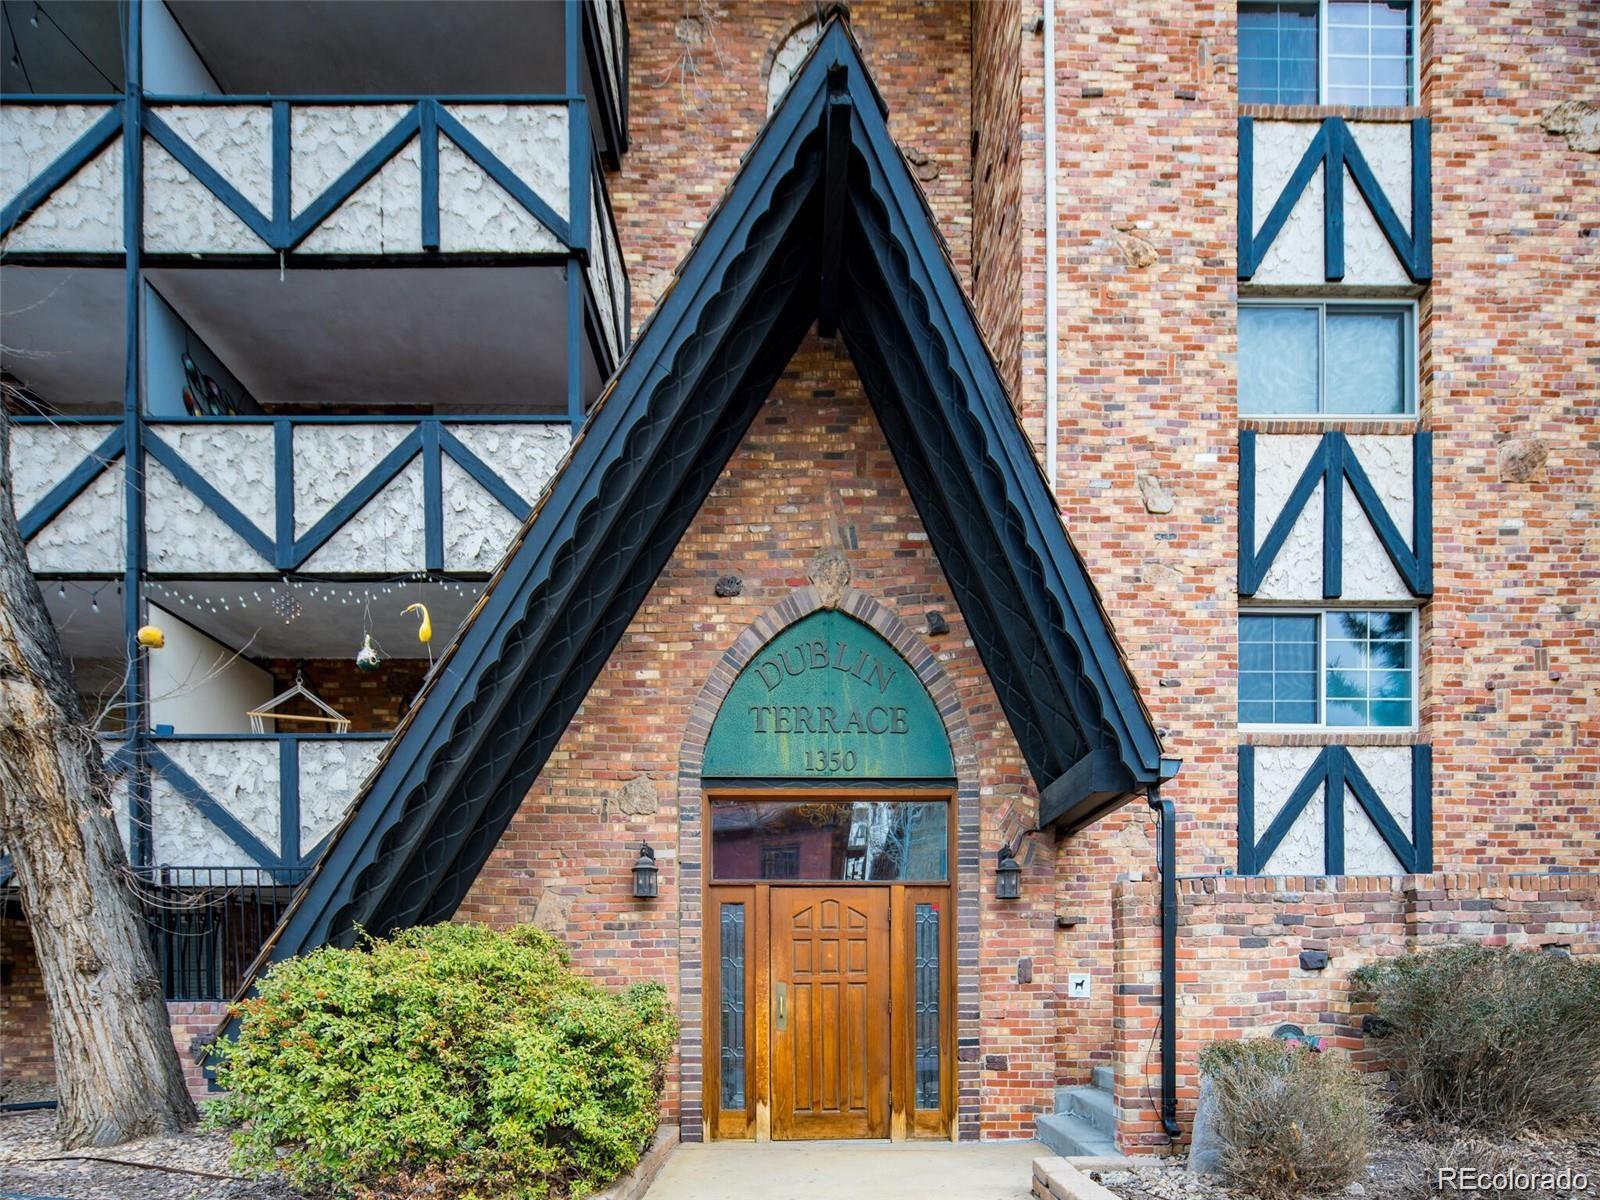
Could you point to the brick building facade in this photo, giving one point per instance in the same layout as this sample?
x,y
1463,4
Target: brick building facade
x,y
1462,517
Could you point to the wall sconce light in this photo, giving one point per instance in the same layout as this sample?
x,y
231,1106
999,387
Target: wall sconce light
x,y
1007,876
646,876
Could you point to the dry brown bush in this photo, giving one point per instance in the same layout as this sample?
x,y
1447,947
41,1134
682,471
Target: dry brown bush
x,y
1291,1122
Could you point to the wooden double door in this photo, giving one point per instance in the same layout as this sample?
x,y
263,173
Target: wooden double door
x,y
828,1012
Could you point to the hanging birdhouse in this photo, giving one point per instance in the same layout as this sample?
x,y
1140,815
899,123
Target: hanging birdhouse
x,y
367,657
150,637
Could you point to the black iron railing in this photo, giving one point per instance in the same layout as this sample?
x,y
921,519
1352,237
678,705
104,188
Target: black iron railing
x,y
207,924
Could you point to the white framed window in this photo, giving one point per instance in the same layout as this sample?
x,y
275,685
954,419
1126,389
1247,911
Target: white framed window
x,y
1353,53
1329,669
1331,358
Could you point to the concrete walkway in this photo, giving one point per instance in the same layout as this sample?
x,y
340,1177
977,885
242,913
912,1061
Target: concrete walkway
x,y
848,1171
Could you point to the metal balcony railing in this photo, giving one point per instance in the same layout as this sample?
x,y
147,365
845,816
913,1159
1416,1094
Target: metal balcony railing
x,y
207,924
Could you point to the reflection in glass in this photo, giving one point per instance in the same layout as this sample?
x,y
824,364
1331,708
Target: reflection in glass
x,y
1369,678
1278,670
1369,52
867,840
1278,52
1278,359
927,1005
731,975
1366,361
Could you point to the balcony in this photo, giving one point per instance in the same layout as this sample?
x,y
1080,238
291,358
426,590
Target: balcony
x,y
1335,201
250,801
265,496
357,135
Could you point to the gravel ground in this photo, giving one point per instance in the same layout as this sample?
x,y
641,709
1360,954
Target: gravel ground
x,y
1399,1168
29,1167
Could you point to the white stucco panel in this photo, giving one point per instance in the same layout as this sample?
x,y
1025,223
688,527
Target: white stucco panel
x,y
1369,260
1296,573
82,215
326,140
117,798
525,456
32,136
1388,770
87,536
234,459
182,534
610,18
1386,145
182,216
1368,573
1295,255
1278,771
234,139
330,773
383,216
384,537
43,455
477,527
477,214
329,460
530,139
242,777
605,265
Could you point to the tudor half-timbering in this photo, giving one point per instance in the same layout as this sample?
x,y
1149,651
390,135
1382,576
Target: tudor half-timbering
x,y
829,634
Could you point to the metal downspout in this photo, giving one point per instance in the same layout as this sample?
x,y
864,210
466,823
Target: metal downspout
x,y
1168,856
1052,353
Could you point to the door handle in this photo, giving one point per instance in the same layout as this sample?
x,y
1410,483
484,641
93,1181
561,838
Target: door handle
x,y
782,1006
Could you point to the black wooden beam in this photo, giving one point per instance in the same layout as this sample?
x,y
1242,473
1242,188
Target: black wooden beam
x,y
1098,781
836,173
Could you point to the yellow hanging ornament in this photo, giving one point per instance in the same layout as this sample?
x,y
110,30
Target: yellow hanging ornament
x,y
425,632
151,637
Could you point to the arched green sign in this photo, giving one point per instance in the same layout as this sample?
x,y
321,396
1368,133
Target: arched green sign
x,y
828,698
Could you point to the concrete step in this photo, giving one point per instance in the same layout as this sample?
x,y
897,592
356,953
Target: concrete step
x,y
1093,1107
1072,1137
1105,1078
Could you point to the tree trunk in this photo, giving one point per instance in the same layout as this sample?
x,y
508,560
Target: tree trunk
x,y
117,1070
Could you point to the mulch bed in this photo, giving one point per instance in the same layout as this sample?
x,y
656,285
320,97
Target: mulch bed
x,y
1397,1168
191,1166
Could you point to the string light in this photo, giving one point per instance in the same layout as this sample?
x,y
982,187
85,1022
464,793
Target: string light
x,y
289,596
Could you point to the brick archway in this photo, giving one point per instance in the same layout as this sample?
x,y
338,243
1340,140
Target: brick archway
x,y
802,602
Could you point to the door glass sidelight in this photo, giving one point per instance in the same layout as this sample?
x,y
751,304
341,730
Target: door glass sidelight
x,y
732,1004
926,1000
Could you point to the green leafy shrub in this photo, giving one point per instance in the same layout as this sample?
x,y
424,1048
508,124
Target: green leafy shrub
x,y
1291,1122
453,1060
1490,1038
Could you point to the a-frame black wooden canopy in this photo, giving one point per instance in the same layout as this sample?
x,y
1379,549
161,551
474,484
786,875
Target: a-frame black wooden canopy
x,y
823,223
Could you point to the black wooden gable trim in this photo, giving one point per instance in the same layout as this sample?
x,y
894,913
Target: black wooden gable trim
x,y
749,290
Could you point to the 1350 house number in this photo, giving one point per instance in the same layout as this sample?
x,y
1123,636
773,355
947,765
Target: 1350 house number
x,y
827,761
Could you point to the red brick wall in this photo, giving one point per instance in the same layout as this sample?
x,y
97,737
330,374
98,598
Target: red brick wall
x,y
193,1024
373,700
27,1062
813,474
997,243
1511,650
27,1069
699,97
1238,960
1146,159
